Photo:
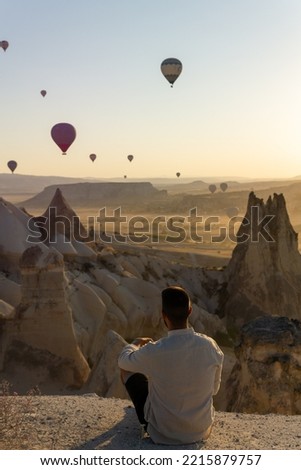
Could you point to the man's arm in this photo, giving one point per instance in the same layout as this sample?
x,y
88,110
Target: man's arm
x,y
141,341
218,372
134,357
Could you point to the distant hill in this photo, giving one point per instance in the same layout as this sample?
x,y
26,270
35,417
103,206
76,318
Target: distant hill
x,y
180,186
193,187
98,194
32,184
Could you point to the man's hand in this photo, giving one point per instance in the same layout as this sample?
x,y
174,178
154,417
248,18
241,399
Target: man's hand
x,y
141,341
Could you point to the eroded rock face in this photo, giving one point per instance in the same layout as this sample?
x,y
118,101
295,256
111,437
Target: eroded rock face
x,y
43,322
263,276
267,375
105,376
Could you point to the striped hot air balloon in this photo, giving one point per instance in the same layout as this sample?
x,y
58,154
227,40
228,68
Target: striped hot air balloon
x,y
171,69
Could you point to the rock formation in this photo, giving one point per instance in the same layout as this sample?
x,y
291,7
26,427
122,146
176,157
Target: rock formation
x,y
263,276
267,375
41,332
61,228
60,217
105,376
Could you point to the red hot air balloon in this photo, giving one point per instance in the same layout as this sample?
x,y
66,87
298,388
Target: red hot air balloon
x,y
130,157
4,45
12,165
63,135
93,157
43,93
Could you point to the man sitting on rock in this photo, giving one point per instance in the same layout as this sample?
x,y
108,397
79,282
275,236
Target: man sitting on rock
x,y
172,381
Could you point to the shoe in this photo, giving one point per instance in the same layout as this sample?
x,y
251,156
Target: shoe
x,y
143,431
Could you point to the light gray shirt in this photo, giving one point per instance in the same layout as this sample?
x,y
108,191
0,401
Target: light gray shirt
x,y
184,372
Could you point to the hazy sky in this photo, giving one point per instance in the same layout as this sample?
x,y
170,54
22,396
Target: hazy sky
x,y
235,109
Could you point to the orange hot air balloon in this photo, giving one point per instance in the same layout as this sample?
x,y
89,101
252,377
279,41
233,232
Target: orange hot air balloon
x,y
130,157
92,157
178,174
12,165
212,188
63,135
4,45
43,92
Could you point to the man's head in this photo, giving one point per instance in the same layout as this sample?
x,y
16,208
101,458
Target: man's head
x,y
176,306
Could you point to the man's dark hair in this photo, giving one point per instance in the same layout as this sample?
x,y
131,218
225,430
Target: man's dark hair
x,y
175,304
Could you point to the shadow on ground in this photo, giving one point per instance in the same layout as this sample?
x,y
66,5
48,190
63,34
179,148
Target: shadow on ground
x,y
126,435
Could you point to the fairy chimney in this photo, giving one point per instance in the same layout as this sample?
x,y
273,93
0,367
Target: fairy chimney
x,y
263,276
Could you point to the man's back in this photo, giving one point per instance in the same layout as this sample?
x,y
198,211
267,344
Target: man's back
x,y
184,371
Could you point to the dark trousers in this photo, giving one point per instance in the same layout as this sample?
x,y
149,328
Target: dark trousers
x,y
137,388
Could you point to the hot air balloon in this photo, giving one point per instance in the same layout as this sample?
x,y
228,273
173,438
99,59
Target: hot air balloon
x,y
124,176
212,188
4,45
92,157
12,165
178,174
130,157
223,187
43,92
171,69
63,135
232,212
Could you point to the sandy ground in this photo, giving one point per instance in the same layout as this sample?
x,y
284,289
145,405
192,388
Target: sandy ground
x,y
89,422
